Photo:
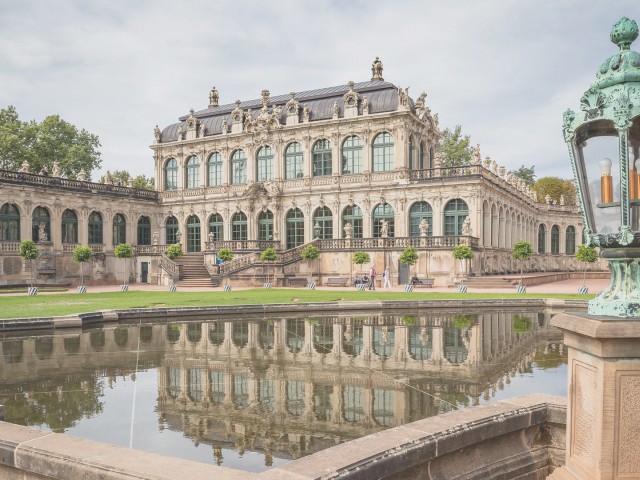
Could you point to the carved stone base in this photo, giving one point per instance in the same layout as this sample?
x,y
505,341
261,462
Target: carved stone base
x,y
622,297
603,413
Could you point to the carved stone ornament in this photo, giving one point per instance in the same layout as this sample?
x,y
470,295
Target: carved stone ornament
x,y
351,98
292,107
213,97
622,110
237,115
567,121
376,69
156,134
592,103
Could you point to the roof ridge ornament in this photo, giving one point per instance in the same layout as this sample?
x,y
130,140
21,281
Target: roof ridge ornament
x,y
376,70
213,97
624,32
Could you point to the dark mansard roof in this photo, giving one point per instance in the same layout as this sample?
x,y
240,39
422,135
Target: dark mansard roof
x,y
382,96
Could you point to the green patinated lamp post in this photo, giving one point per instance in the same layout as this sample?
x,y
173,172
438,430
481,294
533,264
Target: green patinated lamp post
x,y
604,143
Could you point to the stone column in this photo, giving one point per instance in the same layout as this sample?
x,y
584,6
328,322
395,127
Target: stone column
x,y
603,412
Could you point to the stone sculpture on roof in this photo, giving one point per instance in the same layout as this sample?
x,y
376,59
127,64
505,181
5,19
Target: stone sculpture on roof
x,y
376,70
213,97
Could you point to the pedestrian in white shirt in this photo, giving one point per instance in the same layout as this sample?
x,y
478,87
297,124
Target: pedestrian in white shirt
x,y
387,278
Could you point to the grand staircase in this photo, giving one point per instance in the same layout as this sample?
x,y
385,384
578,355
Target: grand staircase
x,y
194,273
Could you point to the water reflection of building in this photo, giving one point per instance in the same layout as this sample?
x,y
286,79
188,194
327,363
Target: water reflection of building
x,y
295,386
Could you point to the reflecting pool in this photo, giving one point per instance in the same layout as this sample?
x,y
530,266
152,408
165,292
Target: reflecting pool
x,y
254,393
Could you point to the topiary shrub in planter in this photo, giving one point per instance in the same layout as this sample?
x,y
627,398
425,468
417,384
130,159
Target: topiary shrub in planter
x,y
29,252
82,255
124,251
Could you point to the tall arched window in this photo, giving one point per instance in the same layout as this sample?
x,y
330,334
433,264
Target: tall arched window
x,y
420,211
192,172
216,226
239,226
172,227
322,158
95,229
264,164
238,167
570,240
295,228
9,223
381,214
293,167
455,211
383,152
39,217
214,169
412,157
144,231
69,227
171,174
323,223
542,234
422,160
352,215
265,226
119,229
193,234
555,240
352,155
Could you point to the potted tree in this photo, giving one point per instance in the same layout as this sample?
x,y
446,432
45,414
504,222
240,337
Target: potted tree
x,y
82,255
311,252
409,257
360,258
521,251
464,254
173,252
29,252
586,255
124,251
268,255
225,255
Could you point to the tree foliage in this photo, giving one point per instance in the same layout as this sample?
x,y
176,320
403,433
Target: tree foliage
x,y
124,251
42,144
174,251
521,251
587,255
555,187
455,147
526,173
269,255
409,256
82,255
310,252
124,178
29,251
360,258
225,254
462,252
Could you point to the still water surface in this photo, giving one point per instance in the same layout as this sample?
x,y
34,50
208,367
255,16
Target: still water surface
x,y
254,393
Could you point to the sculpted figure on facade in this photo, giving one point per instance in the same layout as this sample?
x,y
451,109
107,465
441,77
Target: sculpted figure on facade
x,y
347,230
466,226
305,113
82,175
336,110
437,160
403,96
42,234
562,200
424,227
25,167
156,134
365,105
201,131
421,99
213,97
376,69
56,169
384,228
476,158
180,132
156,238
224,128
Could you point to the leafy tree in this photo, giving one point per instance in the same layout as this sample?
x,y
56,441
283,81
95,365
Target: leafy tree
x,y
225,254
587,255
42,144
555,187
29,251
268,255
521,251
521,323
455,147
82,255
123,251
360,258
311,252
462,253
122,177
174,251
409,257
526,173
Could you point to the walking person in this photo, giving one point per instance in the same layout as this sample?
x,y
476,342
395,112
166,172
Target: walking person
x,y
372,277
387,278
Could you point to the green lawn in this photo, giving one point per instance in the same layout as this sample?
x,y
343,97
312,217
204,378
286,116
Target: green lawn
x,y
64,304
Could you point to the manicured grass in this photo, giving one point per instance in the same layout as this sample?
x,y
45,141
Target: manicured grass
x,y
56,304
40,289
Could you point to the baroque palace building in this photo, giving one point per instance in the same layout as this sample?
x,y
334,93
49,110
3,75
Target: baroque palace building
x,y
348,168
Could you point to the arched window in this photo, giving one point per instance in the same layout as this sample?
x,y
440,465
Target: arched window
x,y
216,226
238,167
352,155
555,240
239,226
420,211
69,227
214,168
412,157
193,234
422,160
39,217
144,231
352,215
430,160
570,240
293,161
95,229
542,234
119,229
171,174
265,226
455,211
265,164
172,228
383,155
322,158
295,228
381,214
9,223
192,172
323,223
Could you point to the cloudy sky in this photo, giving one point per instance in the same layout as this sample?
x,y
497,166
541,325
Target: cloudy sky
x,y
505,70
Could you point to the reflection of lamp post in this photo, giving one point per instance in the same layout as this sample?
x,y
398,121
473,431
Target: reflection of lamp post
x,y
611,109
